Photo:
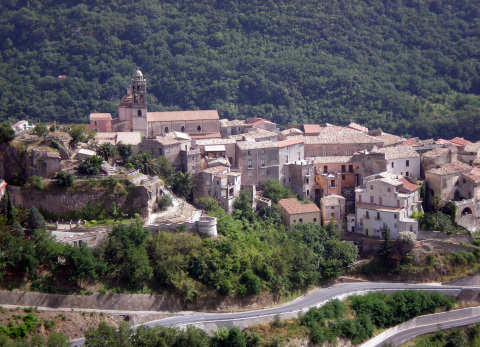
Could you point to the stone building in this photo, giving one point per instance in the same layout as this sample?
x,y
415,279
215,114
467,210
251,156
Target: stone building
x,y
213,148
445,180
338,141
133,116
257,161
301,178
386,201
333,209
437,157
220,184
293,212
470,153
404,160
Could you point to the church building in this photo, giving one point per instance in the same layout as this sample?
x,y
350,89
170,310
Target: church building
x,y
134,117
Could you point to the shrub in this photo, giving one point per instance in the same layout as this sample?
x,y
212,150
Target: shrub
x,y
65,179
164,202
407,237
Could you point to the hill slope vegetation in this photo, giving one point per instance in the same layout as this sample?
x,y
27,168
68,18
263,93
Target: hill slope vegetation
x,y
406,66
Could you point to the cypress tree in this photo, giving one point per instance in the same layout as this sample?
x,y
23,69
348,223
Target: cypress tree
x,y
10,211
35,220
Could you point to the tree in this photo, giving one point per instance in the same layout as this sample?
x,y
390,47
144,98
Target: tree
x,y
10,210
437,204
183,184
40,129
242,207
146,164
77,133
124,151
90,166
7,134
136,270
35,221
275,191
106,151
65,179
386,248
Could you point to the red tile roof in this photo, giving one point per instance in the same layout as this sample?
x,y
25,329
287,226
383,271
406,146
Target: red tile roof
x,y
408,185
311,129
459,141
293,206
290,142
358,127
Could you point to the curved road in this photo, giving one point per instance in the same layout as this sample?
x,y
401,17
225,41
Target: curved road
x,y
316,298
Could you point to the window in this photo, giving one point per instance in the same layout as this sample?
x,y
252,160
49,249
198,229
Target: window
x,y
347,152
95,122
407,163
294,220
308,192
324,152
444,183
249,152
193,158
284,180
393,164
406,173
182,129
360,198
371,187
193,168
168,149
395,216
307,180
166,130
160,151
332,207
334,151
371,200
207,182
332,184
262,162
378,215
262,151
298,156
343,177
325,168
249,162
262,172
389,190
218,182
283,170
289,179
199,128
344,168
312,153
350,168
249,173
139,113
300,220
314,220
307,171
367,215
286,159
332,215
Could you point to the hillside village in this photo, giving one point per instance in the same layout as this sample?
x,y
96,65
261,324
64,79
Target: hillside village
x,y
365,181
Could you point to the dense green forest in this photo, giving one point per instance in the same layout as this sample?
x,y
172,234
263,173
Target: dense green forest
x,y
406,66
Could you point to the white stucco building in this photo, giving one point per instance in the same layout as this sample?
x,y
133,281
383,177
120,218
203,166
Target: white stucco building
x,y
385,200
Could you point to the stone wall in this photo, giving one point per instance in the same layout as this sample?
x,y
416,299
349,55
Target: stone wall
x,y
140,196
425,234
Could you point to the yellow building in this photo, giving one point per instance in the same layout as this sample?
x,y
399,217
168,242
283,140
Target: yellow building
x,y
294,212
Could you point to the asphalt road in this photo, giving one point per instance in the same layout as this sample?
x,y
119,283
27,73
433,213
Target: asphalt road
x,y
316,298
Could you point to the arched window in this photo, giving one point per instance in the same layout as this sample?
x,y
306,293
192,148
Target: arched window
x,y
139,113
182,129
199,128
166,130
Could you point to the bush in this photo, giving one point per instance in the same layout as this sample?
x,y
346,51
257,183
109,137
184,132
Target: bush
x,y
407,237
251,281
65,179
164,202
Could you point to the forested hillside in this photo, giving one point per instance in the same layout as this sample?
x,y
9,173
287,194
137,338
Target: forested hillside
x,y
406,66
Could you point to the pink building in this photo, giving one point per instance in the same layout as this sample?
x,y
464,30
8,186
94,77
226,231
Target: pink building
x,y
100,122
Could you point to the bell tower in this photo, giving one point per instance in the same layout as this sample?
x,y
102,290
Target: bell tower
x,y
139,103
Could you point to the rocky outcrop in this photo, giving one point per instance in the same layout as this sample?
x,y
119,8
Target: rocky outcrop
x,y
138,195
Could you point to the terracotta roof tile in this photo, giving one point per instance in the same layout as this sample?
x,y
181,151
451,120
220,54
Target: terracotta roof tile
x,y
332,200
400,152
293,206
244,145
100,116
182,116
408,185
357,127
311,129
459,141
286,143
450,169
474,175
